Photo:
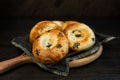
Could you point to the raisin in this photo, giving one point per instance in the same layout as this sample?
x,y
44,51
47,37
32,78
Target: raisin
x,y
48,30
48,45
73,31
60,34
76,31
37,51
59,46
76,45
37,36
93,39
77,35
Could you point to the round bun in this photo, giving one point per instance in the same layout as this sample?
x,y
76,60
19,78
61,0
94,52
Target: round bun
x,y
50,47
79,35
40,28
59,23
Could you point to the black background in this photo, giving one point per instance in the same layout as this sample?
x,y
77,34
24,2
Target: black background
x,y
60,9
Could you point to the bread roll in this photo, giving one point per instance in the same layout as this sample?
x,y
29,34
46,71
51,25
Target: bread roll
x,y
40,28
59,23
50,47
79,35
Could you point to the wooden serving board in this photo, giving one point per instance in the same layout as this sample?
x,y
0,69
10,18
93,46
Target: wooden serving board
x,y
22,59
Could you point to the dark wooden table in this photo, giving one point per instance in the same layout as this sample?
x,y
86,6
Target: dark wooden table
x,y
106,67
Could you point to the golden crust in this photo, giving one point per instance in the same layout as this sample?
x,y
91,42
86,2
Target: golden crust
x,y
59,23
50,47
79,35
52,39
40,28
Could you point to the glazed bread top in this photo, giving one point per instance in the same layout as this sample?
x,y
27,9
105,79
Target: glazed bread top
x,y
40,28
79,35
50,47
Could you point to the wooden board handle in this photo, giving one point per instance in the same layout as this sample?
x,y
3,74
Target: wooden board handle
x,y
22,59
11,63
